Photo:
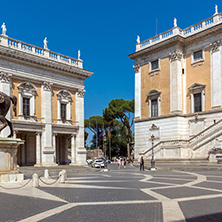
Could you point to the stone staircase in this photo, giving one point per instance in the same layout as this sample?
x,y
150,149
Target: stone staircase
x,y
194,143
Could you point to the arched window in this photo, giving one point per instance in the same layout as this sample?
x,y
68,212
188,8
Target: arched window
x,y
64,105
154,102
27,93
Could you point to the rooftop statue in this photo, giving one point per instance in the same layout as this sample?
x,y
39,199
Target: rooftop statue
x,y
216,10
5,102
45,43
175,22
138,39
3,29
79,53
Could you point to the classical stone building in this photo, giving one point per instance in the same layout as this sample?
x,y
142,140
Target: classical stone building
x,y
178,92
50,92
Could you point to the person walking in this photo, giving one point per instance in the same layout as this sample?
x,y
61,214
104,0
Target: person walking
x,y
124,163
142,163
119,163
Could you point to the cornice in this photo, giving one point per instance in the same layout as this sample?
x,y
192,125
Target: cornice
x,y
42,61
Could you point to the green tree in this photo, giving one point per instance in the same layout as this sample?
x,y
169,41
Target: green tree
x,y
95,124
121,109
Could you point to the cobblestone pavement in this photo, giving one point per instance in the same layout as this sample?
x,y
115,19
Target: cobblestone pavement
x,y
122,195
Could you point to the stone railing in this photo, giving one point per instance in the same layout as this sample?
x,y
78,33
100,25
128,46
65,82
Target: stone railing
x,y
171,143
212,21
206,135
34,50
194,143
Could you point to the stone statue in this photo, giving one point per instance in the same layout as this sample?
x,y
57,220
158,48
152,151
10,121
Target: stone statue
x,y
45,43
175,22
5,102
216,10
138,39
79,53
3,29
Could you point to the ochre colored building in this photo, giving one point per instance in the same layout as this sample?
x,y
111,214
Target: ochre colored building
x,y
50,102
178,93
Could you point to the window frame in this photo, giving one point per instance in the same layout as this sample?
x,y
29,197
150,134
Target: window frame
x,y
195,89
64,97
151,96
27,90
193,60
155,69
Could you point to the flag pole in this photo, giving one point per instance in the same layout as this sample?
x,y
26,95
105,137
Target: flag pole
x,y
97,140
110,143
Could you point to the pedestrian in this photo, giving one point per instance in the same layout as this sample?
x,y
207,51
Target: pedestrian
x,y
142,163
119,163
124,163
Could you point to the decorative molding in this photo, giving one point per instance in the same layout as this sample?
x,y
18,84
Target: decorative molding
x,y
64,95
136,67
5,77
81,92
176,55
47,86
215,46
27,87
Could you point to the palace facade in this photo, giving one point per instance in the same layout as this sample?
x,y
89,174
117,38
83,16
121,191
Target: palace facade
x,y
178,92
50,102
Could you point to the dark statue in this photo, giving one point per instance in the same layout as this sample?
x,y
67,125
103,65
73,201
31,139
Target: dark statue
x,y
5,102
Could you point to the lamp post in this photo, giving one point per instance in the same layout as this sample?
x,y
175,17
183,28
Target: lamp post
x,y
152,160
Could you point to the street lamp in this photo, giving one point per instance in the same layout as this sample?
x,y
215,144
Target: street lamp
x,y
152,160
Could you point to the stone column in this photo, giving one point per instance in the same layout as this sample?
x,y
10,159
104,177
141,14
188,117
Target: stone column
x,y
73,149
47,147
80,137
137,90
5,86
54,144
216,85
176,82
38,149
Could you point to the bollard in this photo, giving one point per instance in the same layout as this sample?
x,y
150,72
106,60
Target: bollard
x,y
46,173
35,180
65,173
61,177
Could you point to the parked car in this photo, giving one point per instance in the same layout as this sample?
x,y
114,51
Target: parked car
x,y
98,163
89,161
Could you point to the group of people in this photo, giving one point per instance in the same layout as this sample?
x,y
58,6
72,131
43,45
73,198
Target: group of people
x,y
119,162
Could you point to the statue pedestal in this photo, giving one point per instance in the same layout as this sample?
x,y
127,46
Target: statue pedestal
x,y
8,159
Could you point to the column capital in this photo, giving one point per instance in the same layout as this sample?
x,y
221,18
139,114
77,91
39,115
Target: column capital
x,y
38,133
136,67
215,46
5,77
81,92
47,86
176,55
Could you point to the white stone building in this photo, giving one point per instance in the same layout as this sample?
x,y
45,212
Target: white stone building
x,y
178,92
50,92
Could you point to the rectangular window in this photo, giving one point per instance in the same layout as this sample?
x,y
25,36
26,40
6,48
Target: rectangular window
x,y
26,106
63,111
154,65
154,108
197,102
198,55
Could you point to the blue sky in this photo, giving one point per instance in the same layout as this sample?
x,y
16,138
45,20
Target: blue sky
x,y
104,31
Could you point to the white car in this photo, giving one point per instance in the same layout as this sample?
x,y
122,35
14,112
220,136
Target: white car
x,y
98,163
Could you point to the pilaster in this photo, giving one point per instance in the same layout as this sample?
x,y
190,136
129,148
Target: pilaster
x,y
137,69
80,138
48,153
216,85
176,82
5,86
